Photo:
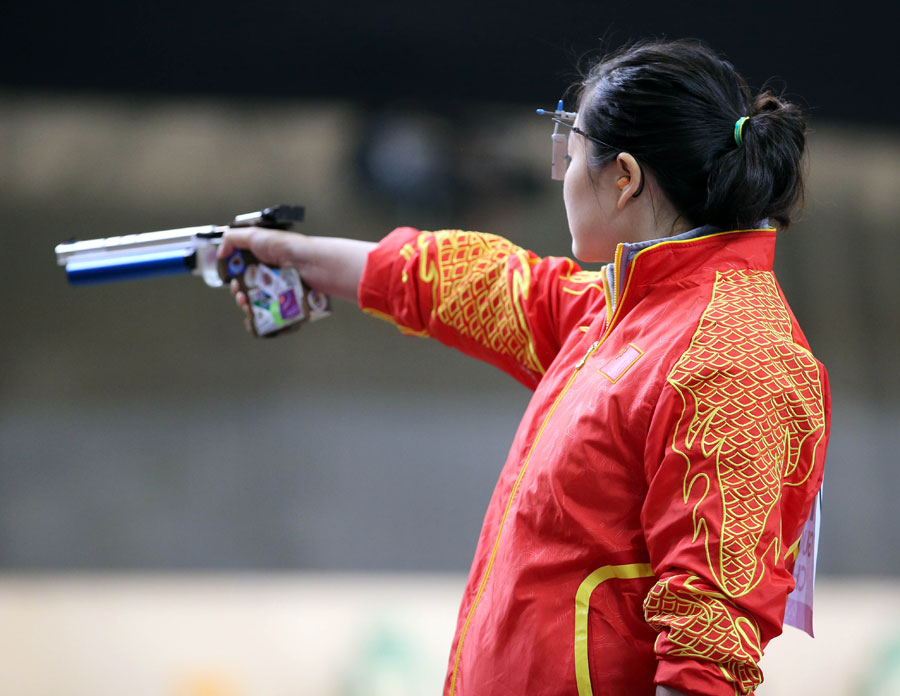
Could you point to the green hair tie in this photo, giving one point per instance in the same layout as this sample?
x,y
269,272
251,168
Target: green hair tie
x,y
739,130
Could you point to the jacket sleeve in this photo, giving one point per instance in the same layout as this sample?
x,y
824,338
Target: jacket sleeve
x,y
733,463
476,292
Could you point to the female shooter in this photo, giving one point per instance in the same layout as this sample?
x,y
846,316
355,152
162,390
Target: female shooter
x,y
643,530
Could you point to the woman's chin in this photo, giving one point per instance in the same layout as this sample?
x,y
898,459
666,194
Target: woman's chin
x,y
590,253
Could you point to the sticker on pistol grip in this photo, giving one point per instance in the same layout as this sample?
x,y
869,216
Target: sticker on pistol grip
x,y
319,304
275,296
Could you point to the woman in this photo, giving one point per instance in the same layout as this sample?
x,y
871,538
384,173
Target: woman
x,y
642,533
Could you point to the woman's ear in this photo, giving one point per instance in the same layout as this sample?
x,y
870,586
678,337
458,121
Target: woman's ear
x,y
630,179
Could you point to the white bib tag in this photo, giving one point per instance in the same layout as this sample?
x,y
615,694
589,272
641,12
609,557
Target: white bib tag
x,y
799,609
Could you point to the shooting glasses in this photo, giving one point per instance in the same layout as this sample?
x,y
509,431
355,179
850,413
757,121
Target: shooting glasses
x,y
559,160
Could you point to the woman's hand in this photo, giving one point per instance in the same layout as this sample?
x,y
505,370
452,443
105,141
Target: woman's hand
x,y
272,247
328,264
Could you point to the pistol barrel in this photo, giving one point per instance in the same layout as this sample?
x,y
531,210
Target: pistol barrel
x,y
116,268
112,259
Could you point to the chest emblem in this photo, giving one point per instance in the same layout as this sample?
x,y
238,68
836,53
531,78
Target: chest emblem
x,y
621,363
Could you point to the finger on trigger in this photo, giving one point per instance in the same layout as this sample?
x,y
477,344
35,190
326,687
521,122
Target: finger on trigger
x,y
231,240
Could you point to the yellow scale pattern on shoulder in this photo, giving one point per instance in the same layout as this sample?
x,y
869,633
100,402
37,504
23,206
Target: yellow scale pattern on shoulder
x,y
754,397
477,292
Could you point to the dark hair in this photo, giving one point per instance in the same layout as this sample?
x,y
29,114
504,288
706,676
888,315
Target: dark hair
x,y
673,105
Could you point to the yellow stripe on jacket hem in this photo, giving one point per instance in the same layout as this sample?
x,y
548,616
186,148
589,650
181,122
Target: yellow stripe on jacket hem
x,y
582,606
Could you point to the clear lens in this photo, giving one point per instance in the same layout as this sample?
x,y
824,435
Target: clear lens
x,y
559,161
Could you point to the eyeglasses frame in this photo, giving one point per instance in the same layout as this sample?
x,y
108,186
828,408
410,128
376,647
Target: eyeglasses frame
x,y
564,121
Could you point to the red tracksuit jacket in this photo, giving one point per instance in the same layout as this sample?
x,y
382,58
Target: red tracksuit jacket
x,y
645,524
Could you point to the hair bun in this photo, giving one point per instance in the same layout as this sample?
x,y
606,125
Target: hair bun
x,y
774,116
761,178
767,102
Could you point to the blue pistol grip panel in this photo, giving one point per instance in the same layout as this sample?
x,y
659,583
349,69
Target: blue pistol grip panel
x,y
158,263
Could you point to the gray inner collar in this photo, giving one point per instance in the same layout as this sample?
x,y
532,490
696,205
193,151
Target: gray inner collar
x,y
631,249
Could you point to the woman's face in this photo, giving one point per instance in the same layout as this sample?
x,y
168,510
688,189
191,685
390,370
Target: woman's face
x,y
590,198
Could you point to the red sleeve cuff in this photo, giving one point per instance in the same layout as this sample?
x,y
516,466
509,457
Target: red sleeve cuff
x,y
383,288
696,678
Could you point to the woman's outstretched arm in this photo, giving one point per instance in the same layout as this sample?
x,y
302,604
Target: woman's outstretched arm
x,y
331,265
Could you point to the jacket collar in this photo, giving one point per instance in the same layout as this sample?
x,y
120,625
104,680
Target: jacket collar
x,y
695,253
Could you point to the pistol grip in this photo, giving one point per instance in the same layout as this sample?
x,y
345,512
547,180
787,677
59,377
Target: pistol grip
x,y
279,299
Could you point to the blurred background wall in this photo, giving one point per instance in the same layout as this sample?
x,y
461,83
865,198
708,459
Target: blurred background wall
x,y
141,430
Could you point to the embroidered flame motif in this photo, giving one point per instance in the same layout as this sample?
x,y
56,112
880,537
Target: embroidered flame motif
x,y
753,399
700,625
590,280
478,290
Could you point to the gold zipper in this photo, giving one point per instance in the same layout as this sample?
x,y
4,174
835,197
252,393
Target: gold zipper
x,y
487,571
594,346
617,265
